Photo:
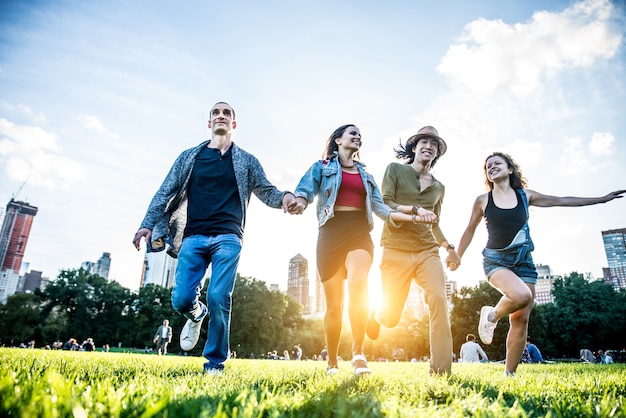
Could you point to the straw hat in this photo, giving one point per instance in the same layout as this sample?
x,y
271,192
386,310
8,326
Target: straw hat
x,y
428,132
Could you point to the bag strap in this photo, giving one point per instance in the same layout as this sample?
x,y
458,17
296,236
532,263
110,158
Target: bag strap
x,y
522,194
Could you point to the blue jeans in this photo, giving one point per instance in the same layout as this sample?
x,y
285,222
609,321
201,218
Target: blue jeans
x,y
196,253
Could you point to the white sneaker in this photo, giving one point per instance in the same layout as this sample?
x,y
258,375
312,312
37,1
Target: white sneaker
x,y
190,334
332,370
485,326
360,365
213,372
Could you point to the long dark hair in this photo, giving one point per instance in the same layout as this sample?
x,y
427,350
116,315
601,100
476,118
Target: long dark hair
x,y
332,149
516,179
407,152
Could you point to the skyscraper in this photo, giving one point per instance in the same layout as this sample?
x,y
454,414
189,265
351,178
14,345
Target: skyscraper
x,y
14,234
298,282
159,269
615,248
101,267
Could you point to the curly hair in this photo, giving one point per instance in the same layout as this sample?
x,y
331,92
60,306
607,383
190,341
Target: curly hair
x,y
331,150
516,179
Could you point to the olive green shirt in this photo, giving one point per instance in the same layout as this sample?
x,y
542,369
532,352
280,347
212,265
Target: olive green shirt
x,y
401,186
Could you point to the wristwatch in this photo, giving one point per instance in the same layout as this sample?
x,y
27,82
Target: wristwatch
x,y
450,247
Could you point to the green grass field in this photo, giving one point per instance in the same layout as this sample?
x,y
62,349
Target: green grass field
x,y
38,383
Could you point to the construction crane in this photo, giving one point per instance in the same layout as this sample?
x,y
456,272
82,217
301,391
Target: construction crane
x,y
20,188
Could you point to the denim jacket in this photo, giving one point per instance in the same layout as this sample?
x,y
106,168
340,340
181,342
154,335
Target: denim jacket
x,y
166,216
323,180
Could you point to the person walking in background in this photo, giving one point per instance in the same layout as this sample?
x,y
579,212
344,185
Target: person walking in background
x,y
507,258
163,337
411,252
533,352
200,211
471,351
347,195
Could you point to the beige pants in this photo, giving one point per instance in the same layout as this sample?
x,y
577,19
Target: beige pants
x,y
398,268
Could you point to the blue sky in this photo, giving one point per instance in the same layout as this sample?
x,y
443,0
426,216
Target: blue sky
x,y
98,98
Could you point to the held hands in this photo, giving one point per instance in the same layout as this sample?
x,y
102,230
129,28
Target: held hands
x,y
453,261
142,233
289,202
424,215
293,205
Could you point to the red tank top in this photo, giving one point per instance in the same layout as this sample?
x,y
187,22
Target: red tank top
x,y
352,192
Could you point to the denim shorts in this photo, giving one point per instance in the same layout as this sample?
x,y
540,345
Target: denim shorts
x,y
523,267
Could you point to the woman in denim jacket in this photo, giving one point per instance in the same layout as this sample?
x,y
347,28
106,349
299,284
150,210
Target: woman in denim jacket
x,y
346,197
507,258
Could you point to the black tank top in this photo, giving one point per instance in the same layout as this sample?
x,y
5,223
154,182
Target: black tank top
x,y
503,224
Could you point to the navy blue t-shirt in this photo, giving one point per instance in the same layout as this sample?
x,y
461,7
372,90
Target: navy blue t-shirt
x,y
213,197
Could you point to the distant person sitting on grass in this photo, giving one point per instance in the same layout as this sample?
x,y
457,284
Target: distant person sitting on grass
x,y
533,352
586,356
471,351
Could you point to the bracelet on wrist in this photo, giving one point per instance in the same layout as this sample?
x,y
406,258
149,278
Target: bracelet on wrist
x,y
414,218
415,209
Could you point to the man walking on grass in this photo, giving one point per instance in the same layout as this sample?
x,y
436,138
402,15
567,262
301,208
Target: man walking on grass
x,y
200,211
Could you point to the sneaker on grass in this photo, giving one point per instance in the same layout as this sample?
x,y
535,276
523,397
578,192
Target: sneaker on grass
x,y
359,362
213,372
485,326
332,370
191,331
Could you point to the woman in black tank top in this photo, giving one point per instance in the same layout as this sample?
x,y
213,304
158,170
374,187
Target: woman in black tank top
x,y
507,257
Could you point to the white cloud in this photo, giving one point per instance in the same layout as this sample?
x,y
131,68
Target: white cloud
x,y
93,123
31,152
493,55
601,144
580,156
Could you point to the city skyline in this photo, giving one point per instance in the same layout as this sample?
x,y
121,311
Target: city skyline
x,y
97,100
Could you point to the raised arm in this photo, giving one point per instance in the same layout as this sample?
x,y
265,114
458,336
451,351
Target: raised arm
x,y
545,201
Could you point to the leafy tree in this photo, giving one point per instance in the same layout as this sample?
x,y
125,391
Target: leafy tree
x,y
465,317
585,315
262,320
150,307
19,318
310,335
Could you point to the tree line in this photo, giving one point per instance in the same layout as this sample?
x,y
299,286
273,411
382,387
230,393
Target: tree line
x,y
585,314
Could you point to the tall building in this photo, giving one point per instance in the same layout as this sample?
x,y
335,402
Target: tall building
x,y
159,269
103,265
298,282
100,267
545,284
9,280
14,234
615,249
33,280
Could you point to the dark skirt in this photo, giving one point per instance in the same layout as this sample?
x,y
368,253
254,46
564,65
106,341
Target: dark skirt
x,y
346,231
